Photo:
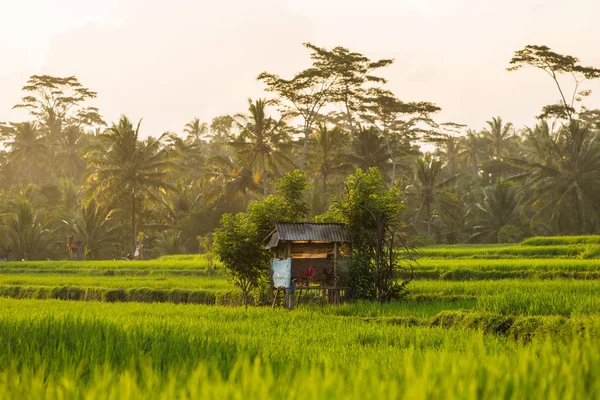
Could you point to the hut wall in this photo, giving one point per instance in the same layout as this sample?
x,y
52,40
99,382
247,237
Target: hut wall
x,y
312,248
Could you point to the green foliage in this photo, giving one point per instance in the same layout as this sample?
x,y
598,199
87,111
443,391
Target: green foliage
x,y
237,244
555,64
57,102
373,214
561,240
509,234
288,205
28,237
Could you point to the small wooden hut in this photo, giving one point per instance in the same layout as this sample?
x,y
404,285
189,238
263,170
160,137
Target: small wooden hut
x,y
309,256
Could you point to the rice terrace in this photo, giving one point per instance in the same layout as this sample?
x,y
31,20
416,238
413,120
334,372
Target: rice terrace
x,y
479,322
299,199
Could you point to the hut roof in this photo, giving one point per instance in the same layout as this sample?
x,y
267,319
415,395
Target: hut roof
x,y
308,231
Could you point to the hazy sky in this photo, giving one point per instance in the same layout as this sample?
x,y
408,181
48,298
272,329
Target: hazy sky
x,y
171,61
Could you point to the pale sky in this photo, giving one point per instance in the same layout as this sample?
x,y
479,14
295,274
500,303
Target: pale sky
x,y
171,61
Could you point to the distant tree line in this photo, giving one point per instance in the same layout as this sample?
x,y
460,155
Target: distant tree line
x,y
67,172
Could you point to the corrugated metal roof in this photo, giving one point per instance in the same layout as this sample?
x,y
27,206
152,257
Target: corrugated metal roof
x,y
312,231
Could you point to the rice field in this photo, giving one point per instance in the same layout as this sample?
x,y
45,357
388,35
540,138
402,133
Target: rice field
x,y
480,322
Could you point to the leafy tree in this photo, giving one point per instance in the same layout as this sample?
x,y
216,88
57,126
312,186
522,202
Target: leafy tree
x,y
448,149
400,124
221,128
242,255
188,153
555,64
287,205
169,241
305,93
374,215
57,102
353,71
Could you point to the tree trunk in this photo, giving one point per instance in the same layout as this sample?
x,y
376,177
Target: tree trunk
x,y
133,230
428,222
305,150
264,176
349,115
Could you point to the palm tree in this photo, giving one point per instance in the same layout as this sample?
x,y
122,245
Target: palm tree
x,y
471,145
27,147
124,167
262,142
167,242
327,144
232,181
430,193
369,149
68,158
565,186
448,150
188,154
498,136
500,207
196,130
96,229
27,233
539,143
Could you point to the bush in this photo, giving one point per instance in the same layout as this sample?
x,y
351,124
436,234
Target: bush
x,y
509,234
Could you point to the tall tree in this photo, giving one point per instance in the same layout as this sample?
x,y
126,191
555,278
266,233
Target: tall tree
x,y
59,101
499,208
565,187
221,128
498,136
555,65
305,93
430,193
196,131
353,72
261,141
369,150
123,166
27,147
68,158
399,123
327,145
470,150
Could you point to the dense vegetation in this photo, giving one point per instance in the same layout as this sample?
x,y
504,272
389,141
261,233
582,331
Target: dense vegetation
x,y
111,187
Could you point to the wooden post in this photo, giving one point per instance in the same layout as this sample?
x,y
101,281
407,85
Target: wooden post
x,y
289,299
335,251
